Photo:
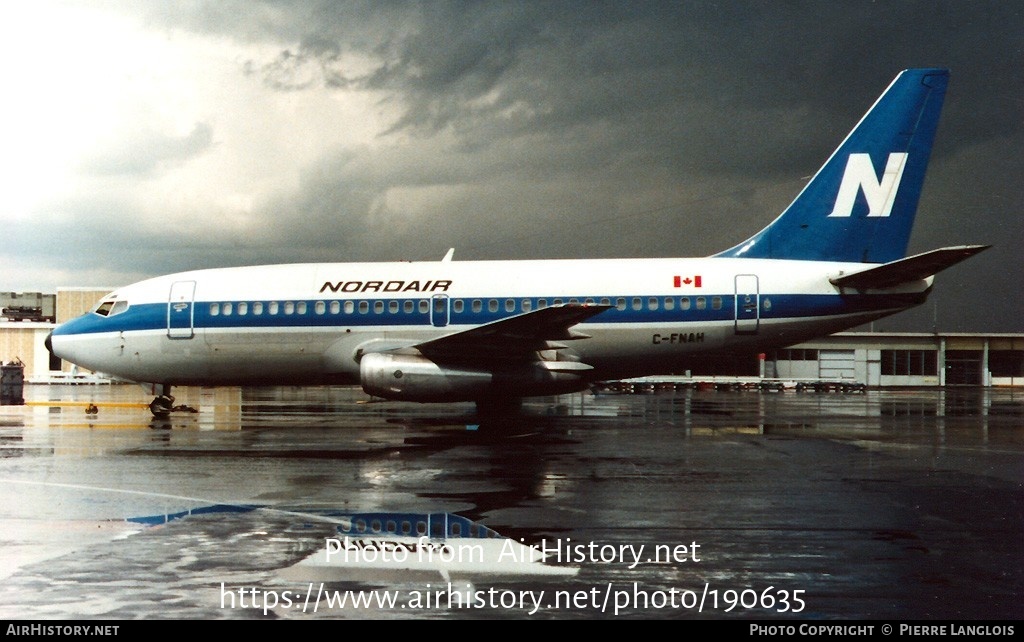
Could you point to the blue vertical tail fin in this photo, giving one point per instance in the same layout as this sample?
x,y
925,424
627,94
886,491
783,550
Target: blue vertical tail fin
x,y
860,206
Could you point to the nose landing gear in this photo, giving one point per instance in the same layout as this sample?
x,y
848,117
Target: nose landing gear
x,y
162,405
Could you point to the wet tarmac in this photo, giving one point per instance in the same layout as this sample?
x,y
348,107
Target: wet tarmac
x,y
891,505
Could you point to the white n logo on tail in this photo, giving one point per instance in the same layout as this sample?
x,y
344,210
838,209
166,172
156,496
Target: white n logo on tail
x,y
860,175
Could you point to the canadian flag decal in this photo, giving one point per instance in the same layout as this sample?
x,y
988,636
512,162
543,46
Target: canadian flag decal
x,y
680,281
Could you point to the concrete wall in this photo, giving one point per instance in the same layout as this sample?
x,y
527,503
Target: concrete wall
x,y
25,342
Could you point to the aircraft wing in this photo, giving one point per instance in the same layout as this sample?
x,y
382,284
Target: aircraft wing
x,y
912,268
514,338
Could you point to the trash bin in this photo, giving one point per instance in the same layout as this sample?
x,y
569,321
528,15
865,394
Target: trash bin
x,y
12,383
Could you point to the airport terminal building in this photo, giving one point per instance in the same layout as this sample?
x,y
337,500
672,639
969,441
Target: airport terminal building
x,y
887,359
873,359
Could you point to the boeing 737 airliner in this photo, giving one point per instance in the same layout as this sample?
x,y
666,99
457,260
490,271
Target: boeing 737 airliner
x,y
490,331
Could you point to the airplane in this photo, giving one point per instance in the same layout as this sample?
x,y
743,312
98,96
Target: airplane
x,y
494,332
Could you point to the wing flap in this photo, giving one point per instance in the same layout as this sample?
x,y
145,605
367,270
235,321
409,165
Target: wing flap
x,y
515,337
912,268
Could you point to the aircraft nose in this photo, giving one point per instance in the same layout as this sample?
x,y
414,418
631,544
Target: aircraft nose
x,y
48,343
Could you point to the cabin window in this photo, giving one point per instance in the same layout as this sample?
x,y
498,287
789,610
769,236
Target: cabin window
x,y
527,305
556,303
364,307
638,303
574,301
408,307
684,303
510,305
478,305
257,308
458,306
589,301
702,303
335,307
350,307
301,307
320,307
606,301
542,303
716,303
214,309
393,307
289,307
375,526
456,529
406,528
492,305
273,307
670,303
421,528
360,526
378,307
226,309
652,303
243,309
424,306
391,526
620,303
767,304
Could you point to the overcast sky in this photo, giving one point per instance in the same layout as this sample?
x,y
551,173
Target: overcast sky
x,y
147,137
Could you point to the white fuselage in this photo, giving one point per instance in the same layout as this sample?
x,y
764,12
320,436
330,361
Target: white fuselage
x,y
311,323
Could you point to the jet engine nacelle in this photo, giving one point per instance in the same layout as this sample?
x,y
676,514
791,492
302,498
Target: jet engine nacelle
x,y
415,378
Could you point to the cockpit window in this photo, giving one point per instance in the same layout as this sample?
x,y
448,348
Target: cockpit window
x,y
103,309
110,307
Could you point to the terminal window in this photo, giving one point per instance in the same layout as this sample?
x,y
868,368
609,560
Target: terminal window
x,y
910,362
1006,363
796,354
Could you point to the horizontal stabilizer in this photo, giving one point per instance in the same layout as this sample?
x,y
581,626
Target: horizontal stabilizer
x,y
912,268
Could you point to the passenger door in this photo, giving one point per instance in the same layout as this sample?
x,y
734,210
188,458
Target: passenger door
x,y
747,304
181,310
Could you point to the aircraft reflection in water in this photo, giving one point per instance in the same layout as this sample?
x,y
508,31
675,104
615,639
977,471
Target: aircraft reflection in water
x,y
496,331
397,547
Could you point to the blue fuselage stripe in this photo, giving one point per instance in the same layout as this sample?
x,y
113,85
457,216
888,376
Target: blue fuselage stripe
x,y
154,316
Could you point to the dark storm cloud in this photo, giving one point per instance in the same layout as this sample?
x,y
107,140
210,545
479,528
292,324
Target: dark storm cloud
x,y
656,69
671,77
